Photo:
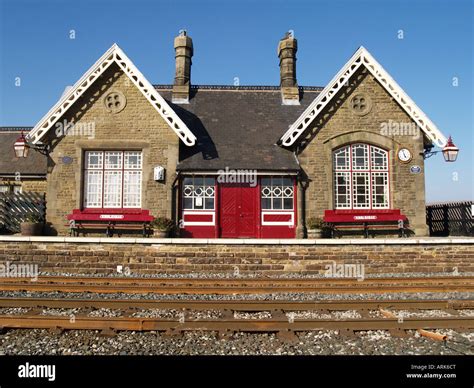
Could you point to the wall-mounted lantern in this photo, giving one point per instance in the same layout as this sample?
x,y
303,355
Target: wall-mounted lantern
x,y
22,147
450,151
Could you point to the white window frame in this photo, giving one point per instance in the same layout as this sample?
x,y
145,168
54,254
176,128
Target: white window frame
x,y
277,191
197,192
112,193
344,165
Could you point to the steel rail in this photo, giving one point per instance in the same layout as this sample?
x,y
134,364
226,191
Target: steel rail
x,y
237,305
238,280
236,285
263,325
224,290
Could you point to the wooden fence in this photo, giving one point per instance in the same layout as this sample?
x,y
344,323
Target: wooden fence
x,y
18,207
450,219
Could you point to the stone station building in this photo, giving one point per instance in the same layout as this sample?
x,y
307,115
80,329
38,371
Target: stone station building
x,y
235,161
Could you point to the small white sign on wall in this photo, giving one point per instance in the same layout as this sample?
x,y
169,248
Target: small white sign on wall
x,y
159,173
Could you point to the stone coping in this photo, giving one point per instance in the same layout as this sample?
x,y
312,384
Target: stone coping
x,y
224,241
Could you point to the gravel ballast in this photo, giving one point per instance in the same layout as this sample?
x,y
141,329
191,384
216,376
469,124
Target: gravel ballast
x,y
42,342
88,342
304,296
327,342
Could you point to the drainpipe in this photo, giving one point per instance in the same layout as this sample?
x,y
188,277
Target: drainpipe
x,y
301,190
174,201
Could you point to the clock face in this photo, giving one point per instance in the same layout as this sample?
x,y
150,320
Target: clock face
x,y
404,154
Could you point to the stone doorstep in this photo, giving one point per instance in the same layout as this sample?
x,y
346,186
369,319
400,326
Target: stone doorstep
x,y
216,241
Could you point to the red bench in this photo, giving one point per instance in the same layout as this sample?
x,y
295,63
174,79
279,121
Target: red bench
x,y
382,219
110,220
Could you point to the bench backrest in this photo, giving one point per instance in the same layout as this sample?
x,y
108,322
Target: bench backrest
x,y
112,215
363,215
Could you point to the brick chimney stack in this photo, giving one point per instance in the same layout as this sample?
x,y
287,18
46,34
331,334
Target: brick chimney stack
x,y
287,53
183,46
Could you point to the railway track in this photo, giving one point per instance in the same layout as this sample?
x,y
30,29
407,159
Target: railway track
x,y
282,317
236,285
278,320
230,325
238,305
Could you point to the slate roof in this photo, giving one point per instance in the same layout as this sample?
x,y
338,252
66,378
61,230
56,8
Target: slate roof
x,y
34,164
238,127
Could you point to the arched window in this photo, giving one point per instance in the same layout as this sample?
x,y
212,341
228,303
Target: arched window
x,y
361,178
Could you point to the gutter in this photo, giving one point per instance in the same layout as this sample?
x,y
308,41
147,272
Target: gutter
x,y
23,176
237,170
296,158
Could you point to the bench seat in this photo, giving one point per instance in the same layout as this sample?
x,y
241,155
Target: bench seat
x,y
366,220
109,220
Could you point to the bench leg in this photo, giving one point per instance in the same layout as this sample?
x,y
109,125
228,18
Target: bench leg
x,y
402,232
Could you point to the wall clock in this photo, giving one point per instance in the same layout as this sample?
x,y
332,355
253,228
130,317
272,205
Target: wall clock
x,y
404,155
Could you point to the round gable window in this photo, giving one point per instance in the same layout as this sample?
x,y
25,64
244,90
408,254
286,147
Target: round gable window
x,y
361,104
115,101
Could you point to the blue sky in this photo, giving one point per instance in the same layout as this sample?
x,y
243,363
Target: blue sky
x,y
239,39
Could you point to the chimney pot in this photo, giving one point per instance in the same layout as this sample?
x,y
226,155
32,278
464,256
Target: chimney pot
x,y
287,49
183,46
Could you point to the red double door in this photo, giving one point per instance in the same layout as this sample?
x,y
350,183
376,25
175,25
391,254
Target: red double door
x,y
239,210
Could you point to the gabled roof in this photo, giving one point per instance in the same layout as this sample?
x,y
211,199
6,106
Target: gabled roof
x,y
362,58
238,127
113,55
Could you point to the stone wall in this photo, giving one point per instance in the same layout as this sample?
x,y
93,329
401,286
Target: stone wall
x,y
148,258
36,185
340,125
136,127
27,184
